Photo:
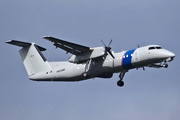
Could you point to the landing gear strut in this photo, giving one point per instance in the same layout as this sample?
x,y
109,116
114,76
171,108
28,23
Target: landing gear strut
x,y
121,76
87,68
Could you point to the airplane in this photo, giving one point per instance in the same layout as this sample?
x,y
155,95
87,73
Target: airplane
x,y
86,62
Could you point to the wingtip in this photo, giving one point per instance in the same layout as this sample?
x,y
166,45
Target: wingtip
x,y
45,37
9,41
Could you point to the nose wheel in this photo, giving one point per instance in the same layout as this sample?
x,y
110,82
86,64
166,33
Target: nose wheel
x,y
165,65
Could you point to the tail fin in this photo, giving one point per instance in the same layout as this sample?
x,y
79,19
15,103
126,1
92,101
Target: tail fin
x,y
34,61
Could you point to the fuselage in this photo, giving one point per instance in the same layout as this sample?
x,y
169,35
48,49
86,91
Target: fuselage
x,y
104,67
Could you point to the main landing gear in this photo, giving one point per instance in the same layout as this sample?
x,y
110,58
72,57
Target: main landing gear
x,y
121,76
87,68
120,83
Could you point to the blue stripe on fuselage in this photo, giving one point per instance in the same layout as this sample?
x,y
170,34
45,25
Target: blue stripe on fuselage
x,y
126,60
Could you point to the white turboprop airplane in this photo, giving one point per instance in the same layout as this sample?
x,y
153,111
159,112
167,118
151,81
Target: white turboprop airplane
x,y
86,62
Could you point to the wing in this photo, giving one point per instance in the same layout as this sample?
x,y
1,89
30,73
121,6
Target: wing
x,y
69,46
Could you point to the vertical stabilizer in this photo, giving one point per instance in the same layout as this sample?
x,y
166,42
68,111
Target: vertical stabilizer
x,y
33,60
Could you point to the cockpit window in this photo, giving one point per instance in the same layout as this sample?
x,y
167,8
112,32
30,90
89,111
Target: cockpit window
x,y
158,47
151,48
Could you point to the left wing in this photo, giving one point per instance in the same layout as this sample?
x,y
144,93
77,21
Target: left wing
x,y
69,46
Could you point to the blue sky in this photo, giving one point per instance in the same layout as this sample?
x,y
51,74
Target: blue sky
x,y
153,94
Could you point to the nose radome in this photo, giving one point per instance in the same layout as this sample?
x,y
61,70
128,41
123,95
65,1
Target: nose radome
x,y
166,54
171,54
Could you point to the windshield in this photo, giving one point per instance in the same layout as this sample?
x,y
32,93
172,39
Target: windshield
x,y
156,47
151,48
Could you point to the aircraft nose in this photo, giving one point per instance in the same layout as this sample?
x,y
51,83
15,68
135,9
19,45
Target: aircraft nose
x,y
170,55
173,55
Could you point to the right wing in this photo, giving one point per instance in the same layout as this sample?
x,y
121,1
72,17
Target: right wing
x,y
70,47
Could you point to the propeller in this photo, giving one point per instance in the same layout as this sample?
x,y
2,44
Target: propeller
x,y
107,48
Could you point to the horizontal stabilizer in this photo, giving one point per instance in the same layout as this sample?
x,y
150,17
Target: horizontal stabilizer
x,y
23,44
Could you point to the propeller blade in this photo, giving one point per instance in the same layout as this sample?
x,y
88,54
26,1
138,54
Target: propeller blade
x,y
107,48
111,54
103,43
110,43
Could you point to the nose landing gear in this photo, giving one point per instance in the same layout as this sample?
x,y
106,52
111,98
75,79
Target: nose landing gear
x,y
158,65
165,65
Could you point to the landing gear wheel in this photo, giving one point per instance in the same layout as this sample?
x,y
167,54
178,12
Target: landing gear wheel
x,y
165,65
120,83
85,74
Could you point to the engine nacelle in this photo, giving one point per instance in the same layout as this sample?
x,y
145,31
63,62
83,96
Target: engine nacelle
x,y
97,52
